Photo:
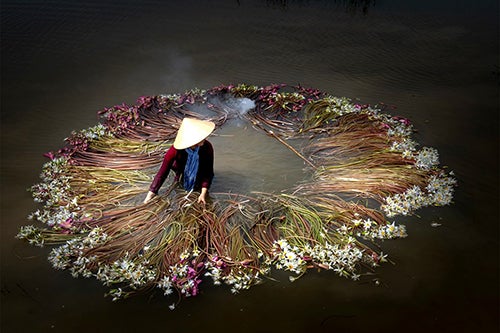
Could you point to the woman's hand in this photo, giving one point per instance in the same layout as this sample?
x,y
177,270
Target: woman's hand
x,y
149,196
203,194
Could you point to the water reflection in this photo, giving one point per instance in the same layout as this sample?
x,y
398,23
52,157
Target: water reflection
x,y
350,6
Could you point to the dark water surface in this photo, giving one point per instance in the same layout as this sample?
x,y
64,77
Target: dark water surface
x,y
434,62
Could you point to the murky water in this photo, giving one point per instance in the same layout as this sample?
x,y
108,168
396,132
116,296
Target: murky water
x,y
433,62
246,161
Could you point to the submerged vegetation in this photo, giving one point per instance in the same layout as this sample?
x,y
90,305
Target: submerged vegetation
x,y
362,168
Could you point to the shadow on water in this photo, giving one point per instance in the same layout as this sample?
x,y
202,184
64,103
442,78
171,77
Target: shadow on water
x,y
349,6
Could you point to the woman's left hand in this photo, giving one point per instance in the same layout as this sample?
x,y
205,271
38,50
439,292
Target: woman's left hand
x,y
203,194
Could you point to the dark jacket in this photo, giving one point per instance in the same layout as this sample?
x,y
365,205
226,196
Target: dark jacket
x,y
176,160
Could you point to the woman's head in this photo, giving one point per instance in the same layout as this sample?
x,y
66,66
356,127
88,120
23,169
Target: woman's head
x,y
192,132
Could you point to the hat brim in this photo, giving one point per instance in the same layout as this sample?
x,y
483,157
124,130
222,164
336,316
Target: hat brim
x,y
192,131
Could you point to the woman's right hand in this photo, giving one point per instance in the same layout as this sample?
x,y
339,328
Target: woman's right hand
x,y
149,196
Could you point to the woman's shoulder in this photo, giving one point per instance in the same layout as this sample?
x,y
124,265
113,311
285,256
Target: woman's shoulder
x,y
172,152
207,147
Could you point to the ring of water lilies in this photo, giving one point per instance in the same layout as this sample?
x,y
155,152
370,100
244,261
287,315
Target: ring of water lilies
x,y
363,169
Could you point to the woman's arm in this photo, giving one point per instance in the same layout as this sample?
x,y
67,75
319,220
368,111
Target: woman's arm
x,y
206,172
162,173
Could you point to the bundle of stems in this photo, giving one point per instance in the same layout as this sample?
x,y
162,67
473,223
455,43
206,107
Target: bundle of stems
x,y
82,175
366,182
282,127
180,231
140,122
242,90
127,146
337,212
225,241
325,111
110,188
352,136
117,161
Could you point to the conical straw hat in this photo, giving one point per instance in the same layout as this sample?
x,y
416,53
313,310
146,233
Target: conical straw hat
x,y
192,131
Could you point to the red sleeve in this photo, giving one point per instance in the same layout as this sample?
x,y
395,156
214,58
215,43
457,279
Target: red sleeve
x,y
162,174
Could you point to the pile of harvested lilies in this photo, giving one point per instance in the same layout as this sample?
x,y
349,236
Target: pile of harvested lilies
x,y
361,168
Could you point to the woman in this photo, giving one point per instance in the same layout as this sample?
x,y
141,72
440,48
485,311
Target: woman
x,y
191,157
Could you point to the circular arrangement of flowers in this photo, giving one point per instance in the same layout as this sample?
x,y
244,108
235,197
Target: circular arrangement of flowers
x,y
362,169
